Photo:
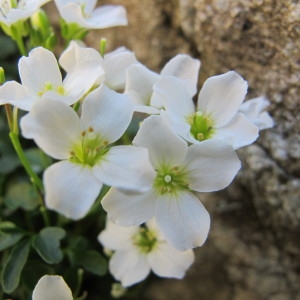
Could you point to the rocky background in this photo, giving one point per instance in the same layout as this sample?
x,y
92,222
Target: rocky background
x,y
253,248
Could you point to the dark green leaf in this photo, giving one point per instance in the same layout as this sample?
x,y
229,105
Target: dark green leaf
x,y
93,262
9,239
47,244
38,160
21,195
13,266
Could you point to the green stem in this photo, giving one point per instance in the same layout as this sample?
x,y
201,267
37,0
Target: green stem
x,y
79,283
18,148
17,37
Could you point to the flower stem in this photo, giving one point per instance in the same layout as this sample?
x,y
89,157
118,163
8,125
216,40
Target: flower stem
x,y
14,137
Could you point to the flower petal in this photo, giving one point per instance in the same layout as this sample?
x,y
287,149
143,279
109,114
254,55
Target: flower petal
x,y
128,208
82,77
166,261
12,92
71,189
139,83
38,69
51,287
183,220
254,108
54,126
107,16
238,132
174,95
116,237
211,165
76,54
129,266
107,112
221,97
163,145
115,65
126,167
184,67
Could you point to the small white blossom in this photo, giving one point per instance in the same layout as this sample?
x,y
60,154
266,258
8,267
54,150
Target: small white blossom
x,y
113,63
41,77
87,15
82,144
254,110
14,11
180,170
139,250
216,115
140,81
52,287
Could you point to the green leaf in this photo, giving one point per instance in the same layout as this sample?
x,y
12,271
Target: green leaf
x,y
93,262
21,195
38,160
9,239
13,266
10,234
47,244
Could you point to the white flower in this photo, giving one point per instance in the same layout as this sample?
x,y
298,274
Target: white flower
x,y
14,11
180,170
140,80
84,13
114,63
216,115
52,287
40,76
254,110
138,250
73,184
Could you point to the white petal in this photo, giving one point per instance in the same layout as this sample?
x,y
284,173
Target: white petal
x,y
129,266
51,287
107,16
166,261
238,132
82,77
38,69
174,95
164,146
183,220
76,54
116,237
254,108
115,65
221,97
127,209
139,84
108,112
71,189
126,167
184,67
11,92
211,165
54,126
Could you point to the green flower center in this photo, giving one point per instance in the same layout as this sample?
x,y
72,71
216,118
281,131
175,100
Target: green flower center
x,y
145,240
170,180
49,87
202,126
90,150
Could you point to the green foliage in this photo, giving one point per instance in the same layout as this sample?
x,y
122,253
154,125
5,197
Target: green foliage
x,y
47,244
13,266
9,235
21,195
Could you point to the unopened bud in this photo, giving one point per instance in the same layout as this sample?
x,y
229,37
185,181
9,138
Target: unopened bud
x,y
2,76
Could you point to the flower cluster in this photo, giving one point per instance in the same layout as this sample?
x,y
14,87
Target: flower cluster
x,y
84,122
